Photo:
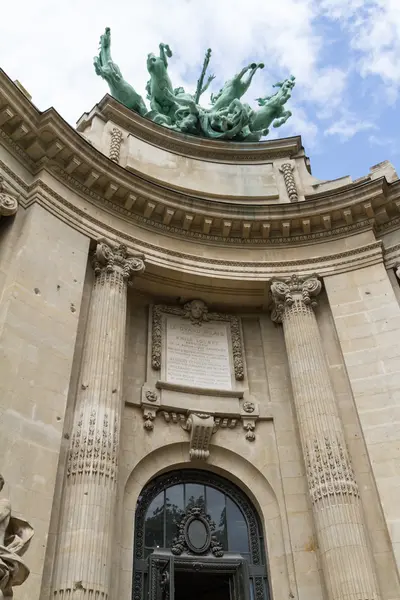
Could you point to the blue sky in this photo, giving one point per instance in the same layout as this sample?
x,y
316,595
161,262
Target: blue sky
x,y
345,55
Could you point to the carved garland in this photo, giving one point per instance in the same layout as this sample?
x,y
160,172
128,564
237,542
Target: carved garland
x,y
287,172
185,312
115,144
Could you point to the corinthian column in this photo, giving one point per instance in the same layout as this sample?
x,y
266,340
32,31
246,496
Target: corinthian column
x,y
83,560
346,558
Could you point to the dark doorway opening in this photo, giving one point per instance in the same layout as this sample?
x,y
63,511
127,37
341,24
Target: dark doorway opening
x,y
201,586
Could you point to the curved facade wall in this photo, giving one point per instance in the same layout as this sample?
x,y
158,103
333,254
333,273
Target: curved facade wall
x,y
138,272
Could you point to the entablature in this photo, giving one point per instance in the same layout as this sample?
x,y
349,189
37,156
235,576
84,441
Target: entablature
x,y
44,142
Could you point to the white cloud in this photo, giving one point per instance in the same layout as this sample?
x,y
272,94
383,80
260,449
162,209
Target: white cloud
x,y
347,127
374,27
49,47
53,58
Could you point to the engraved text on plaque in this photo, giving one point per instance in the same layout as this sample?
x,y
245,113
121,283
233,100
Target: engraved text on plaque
x,y
197,355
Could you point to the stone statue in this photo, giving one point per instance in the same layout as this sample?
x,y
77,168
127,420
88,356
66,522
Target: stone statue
x,y
15,536
228,118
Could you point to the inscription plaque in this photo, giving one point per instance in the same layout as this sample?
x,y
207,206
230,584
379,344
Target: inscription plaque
x,y
197,355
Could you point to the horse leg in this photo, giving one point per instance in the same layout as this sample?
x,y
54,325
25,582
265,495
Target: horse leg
x,y
285,115
164,52
252,68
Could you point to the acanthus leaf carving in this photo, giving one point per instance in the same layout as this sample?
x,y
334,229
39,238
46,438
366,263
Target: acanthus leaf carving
x,y
329,470
201,427
113,263
294,290
8,201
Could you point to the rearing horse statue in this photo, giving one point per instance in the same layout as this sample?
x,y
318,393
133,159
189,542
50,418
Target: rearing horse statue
x,y
159,87
272,108
108,70
235,87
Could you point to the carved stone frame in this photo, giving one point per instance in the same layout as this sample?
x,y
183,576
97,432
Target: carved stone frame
x,y
158,310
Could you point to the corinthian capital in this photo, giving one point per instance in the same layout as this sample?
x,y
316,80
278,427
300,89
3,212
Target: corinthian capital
x,y
116,259
8,202
293,290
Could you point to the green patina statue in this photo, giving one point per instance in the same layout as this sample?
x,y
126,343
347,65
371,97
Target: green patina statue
x,y
226,119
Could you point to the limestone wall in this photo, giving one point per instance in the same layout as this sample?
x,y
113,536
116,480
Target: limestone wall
x,y
40,302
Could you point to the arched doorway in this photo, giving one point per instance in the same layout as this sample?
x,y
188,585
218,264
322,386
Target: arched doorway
x,y
197,535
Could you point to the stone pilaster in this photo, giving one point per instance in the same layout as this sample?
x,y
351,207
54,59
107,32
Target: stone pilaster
x,y
83,559
346,557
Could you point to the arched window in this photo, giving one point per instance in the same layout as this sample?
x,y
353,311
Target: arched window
x,y
204,532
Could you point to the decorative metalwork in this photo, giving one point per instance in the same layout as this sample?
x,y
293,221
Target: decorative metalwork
x,y
149,493
184,542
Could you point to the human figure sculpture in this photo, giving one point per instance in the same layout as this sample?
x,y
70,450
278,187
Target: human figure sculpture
x,y
228,118
196,311
15,535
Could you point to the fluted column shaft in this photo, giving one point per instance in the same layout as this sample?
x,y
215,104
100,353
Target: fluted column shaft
x,y
346,558
83,559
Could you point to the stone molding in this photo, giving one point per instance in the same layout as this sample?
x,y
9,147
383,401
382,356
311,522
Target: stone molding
x,y
8,201
334,213
158,310
109,109
82,220
199,426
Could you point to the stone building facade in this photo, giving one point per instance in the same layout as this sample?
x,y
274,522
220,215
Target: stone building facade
x,y
200,363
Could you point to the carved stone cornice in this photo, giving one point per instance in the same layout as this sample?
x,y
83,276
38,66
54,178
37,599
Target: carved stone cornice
x,y
295,290
115,260
53,145
251,152
8,201
243,270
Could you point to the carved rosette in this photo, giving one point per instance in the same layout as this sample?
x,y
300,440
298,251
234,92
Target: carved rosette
x,y
114,265
293,295
115,144
8,202
287,172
